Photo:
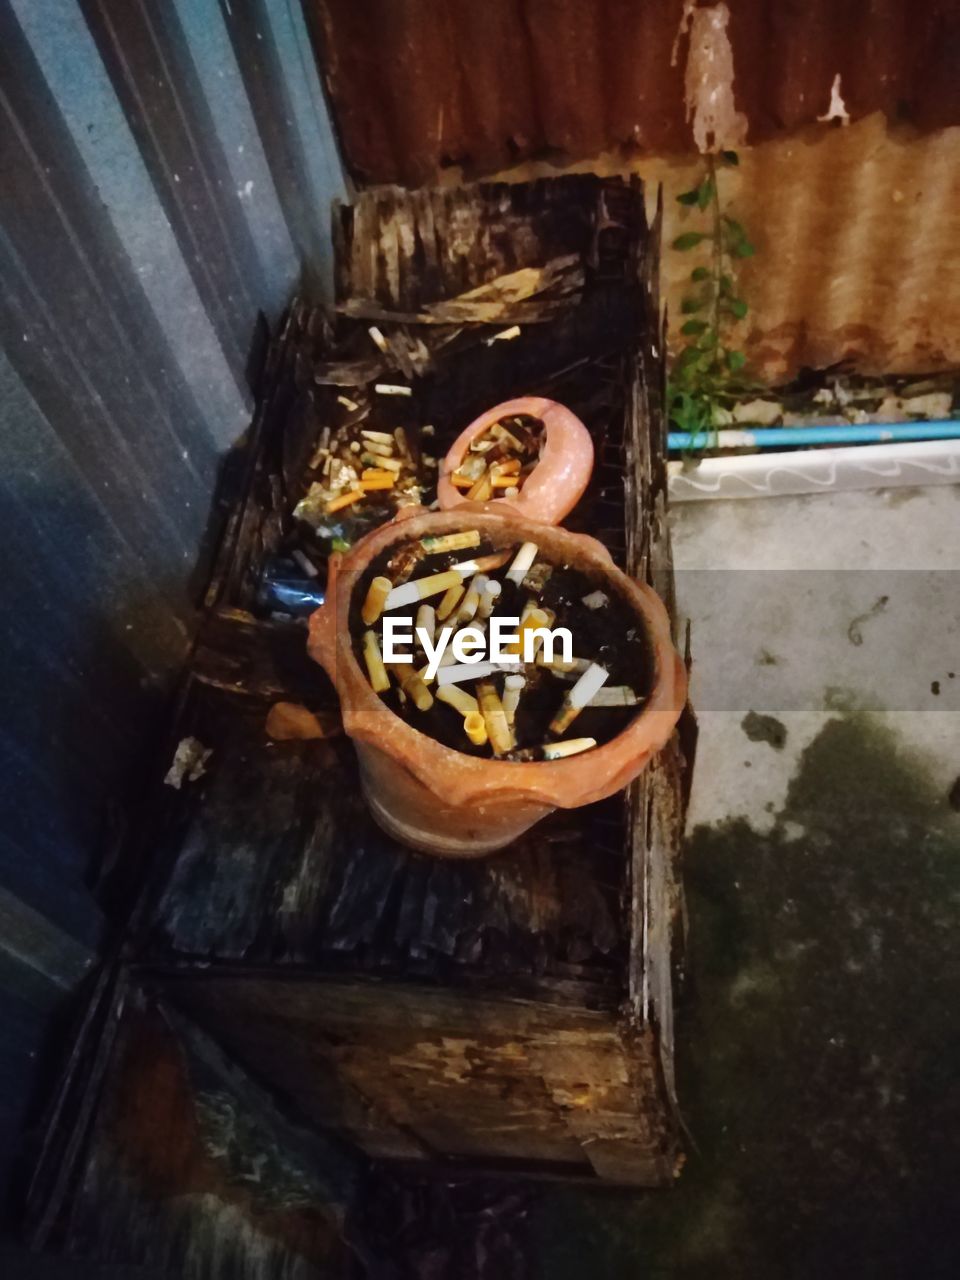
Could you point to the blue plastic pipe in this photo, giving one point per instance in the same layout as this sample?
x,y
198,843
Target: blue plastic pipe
x,y
798,437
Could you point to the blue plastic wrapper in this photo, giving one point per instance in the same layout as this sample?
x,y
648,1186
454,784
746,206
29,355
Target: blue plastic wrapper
x,y
284,588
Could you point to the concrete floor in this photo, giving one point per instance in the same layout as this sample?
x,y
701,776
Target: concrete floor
x,y
819,1039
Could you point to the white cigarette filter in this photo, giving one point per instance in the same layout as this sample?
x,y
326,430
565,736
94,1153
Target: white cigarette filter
x,y
491,708
471,600
451,541
575,665
377,594
572,747
578,697
488,598
376,671
466,671
381,437
512,689
522,562
459,699
426,620
411,592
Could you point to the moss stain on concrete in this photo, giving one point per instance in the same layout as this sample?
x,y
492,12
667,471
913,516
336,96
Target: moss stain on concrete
x,y
820,1049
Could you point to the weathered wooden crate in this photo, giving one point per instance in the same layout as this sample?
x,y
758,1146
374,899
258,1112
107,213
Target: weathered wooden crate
x,y
512,1014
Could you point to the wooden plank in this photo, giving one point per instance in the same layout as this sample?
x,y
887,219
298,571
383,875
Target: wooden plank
x,y
492,1081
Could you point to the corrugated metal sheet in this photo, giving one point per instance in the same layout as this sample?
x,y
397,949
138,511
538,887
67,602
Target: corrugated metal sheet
x,y
856,232
417,84
165,174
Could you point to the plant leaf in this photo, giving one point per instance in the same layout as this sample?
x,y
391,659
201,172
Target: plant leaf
x,y
700,273
687,197
689,240
705,193
737,306
736,360
691,303
730,157
742,249
693,328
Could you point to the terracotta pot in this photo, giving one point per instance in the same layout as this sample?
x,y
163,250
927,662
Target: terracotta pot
x,y
445,802
558,481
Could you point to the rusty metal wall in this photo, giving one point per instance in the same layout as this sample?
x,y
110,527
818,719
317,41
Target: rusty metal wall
x,y
857,226
165,175
417,84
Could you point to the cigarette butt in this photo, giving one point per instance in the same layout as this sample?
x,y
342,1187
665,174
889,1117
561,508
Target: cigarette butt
x,y
465,671
378,483
378,473
503,482
450,600
350,405
410,682
491,708
306,564
534,619
459,699
483,444
505,335
620,695
512,492
400,436
345,500
501,433
485,564
451,541
512,689
482,490
381,462
461,482
378,339
488,598
377,594
355,446
376,671
426,620
578,697
475,727
381,448
506,467
422,588
522,562
572,747
471,599
379,437
390,389
596,599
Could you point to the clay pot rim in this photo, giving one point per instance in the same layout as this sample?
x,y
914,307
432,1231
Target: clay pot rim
x,y
558,421
485,779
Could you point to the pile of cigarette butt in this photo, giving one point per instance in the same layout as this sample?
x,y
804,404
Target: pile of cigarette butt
x,y
500,459
356,465
526,711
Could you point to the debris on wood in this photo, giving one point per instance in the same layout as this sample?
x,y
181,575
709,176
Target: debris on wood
x,y
189,763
